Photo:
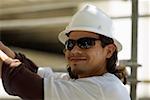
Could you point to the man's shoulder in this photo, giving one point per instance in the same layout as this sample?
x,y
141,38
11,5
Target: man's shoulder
x,y
112,87
105,78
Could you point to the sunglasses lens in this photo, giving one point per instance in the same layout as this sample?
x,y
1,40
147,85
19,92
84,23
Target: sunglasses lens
x,y
86,43
70,44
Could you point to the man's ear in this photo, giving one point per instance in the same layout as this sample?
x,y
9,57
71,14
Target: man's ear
x,y
110,50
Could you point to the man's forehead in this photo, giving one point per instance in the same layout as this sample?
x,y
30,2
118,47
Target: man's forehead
x,y
80,34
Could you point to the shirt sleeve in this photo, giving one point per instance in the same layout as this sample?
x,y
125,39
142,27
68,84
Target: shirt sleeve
x,y
22,82
45,72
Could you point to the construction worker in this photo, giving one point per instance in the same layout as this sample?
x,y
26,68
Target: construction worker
x,y
91,52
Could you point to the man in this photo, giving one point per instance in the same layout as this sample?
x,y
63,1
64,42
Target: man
x,y
91,52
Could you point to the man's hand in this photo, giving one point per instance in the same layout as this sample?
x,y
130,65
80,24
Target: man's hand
x,y
5,53
7,50
12,62
3,57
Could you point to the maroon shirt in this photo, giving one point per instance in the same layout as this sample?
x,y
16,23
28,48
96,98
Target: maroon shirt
x,y
22,80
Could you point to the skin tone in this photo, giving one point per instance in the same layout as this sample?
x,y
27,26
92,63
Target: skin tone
x,y
7,54
88,62
7,50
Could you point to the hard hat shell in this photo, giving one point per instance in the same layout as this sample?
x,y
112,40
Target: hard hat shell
x,y
92,19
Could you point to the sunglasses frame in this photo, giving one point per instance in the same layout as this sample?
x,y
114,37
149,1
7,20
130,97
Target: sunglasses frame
x,y
78,42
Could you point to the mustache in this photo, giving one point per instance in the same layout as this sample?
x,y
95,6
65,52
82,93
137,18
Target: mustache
x,y
77,57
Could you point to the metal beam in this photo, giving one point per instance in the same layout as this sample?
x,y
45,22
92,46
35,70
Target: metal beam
x,y
21,23
134,48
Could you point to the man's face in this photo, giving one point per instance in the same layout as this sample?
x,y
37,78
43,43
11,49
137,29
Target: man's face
x,y
87,62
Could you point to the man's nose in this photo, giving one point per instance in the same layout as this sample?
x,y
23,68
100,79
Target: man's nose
x,y
76,49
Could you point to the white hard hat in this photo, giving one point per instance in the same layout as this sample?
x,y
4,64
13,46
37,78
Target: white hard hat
x,y
92,19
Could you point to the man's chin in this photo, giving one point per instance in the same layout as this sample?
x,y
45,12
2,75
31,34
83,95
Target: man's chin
x,y
77,68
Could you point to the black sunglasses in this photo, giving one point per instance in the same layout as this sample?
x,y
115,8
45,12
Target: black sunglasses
x,y
83,43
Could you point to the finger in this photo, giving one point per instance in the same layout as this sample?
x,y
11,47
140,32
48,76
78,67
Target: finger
x,y
15,63
3,56
1,45
7,50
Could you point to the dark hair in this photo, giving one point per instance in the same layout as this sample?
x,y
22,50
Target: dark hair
x,y
119,71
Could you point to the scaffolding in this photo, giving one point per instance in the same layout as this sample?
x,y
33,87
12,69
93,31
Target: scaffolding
x,y
132,63
134,49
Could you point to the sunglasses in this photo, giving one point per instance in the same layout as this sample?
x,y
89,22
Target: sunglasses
x,y
83,43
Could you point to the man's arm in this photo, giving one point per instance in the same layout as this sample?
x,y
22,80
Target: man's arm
x,y
18,80
13,55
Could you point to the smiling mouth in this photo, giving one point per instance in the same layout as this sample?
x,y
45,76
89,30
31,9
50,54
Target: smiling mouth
x,y
77,59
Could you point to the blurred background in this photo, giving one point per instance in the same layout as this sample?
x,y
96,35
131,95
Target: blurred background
x,y
32,26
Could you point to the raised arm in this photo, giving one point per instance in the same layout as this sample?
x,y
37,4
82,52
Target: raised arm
x,y
20,81
11,54
19,78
